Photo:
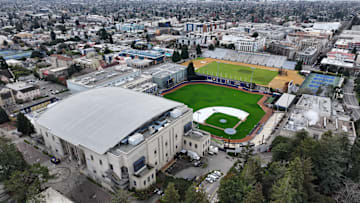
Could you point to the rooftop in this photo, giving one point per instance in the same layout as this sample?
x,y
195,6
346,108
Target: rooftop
x,y
100,118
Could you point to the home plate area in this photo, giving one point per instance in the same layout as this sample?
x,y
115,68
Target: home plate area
x,y
223,118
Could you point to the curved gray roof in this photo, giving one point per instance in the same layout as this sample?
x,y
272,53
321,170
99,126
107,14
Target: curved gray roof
x,y
100,118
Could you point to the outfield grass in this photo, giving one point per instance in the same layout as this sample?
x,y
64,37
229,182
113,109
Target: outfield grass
x,y
200,96
214,119
237,72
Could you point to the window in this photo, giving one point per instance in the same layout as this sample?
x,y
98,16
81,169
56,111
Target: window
x,y
56,150
190,144
166,154
152,176
176,137
195,146
111,166
103,176
144,182
134,182
149,179
155,152
184,141
92,158
155,163
176,146
165,143
100,162
94,171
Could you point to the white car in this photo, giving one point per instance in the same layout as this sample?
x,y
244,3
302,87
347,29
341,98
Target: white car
x,y
210,180
218,173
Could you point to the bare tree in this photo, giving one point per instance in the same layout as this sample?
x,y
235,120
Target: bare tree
x,y
349,193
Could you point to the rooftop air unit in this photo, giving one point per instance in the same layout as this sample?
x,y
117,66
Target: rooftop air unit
x,y
136,139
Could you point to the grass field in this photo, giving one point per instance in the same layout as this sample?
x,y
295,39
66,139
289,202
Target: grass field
x,y
199,96
214,119
243,73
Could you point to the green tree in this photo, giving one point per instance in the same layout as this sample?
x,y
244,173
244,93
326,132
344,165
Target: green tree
x,y
255,35
198,50
36,54
176,57
3,116
26,185
255,195
247,151
24,125
190,71
10,159
184,52
298,66
52,35
193,196
3,64
233,189
354,170
211,47
282,191
171,195
120,196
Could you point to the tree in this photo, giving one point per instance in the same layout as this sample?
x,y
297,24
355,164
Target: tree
x,y
282,191
3,64
349,193
171,195
191,71
247,151
198,50
354,171
298,66
233,189
211,47
36,54
111,39
353,51
120,196
176,57
3,116
184,52
24,125
52,35
193,196
10,159
26,185
255,195
103,35
255,35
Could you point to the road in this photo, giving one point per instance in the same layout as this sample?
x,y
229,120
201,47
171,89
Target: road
x,y
350,99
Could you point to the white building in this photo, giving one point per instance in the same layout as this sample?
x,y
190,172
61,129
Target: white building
x,y
23,91
244,43
118,136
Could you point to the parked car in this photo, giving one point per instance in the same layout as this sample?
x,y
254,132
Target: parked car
x,y
55,160
197,164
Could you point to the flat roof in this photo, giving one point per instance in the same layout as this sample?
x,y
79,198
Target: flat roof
x,y
100,118
285,100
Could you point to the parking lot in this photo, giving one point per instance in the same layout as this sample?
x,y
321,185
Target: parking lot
x,y
220,162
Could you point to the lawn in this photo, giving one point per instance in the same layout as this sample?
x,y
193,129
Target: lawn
x,y
237,72
199,96
214,119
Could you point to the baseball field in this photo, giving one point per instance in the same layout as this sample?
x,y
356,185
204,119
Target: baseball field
x,y
238,72
199,96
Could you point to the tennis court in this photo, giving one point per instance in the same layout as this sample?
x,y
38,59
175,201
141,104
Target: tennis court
x,y
314,81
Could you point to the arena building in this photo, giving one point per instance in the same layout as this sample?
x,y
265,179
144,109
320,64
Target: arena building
x,y
119,137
